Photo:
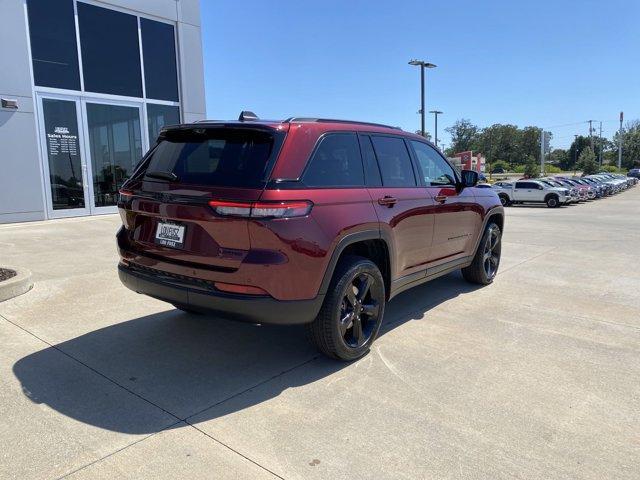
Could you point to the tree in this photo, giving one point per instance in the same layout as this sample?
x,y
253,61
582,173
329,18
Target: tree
x,y
427,135
577,147
464,136
630,144
587,162
559,157
531,168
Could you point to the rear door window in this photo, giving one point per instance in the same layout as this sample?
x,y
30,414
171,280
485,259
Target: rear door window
x,y
215,157
395,163
336,162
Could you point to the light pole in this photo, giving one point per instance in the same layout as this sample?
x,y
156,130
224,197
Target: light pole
x,y
422,64
435,114
575,155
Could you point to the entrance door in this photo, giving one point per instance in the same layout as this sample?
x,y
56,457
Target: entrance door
x,y
115,143
62,144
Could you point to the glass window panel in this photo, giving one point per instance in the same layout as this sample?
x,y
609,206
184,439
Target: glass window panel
x,y
217,157
110,51
394,161
115,146
336,162
158,116
159,53
54,51
63,153
435,170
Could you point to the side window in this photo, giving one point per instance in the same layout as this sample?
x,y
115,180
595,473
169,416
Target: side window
x,y
528,185
371,169
336,162
436,171
394,161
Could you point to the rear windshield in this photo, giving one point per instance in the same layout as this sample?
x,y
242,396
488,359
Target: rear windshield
x,y
215,157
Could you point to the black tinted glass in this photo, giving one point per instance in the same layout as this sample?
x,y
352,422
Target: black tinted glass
x,y
371,169
54,52
394,161
63,152
160,115
110,51
159,53
217,157
336,162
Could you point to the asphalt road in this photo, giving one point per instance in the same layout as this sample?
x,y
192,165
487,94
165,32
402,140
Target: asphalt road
x,y
534,377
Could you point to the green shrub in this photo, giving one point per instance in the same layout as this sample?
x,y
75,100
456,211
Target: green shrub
x,y
609,168
548,169
519,169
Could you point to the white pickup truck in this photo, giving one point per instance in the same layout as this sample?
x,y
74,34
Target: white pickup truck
x,y
532,191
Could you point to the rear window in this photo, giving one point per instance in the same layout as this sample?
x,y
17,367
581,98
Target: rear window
x,y
336,162
215,157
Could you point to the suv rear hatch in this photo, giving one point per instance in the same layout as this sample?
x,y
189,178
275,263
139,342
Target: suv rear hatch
x,y
165,205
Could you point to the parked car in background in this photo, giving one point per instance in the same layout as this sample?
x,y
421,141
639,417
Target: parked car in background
x,y
573,191
634,172
580,189
533,191
594,191
303,221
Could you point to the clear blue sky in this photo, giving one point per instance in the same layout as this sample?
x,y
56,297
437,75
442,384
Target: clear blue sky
x,y
543,63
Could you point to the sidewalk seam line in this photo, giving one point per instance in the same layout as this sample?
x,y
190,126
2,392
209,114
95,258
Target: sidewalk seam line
x,y
97,460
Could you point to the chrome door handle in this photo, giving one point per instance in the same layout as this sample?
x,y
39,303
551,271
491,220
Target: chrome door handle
x,y
388,201
441,198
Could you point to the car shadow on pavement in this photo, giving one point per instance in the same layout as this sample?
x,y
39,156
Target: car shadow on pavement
x,y
191,366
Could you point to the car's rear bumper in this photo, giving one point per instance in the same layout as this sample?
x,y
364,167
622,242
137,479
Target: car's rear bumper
x,y
256,309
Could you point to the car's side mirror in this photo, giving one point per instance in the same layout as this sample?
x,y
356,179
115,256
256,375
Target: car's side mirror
x,y
469,179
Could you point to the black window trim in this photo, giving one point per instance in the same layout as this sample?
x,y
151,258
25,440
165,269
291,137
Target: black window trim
x,y
367,177
421,175
300,179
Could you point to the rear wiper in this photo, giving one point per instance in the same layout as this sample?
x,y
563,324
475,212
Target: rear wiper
x,y
172,177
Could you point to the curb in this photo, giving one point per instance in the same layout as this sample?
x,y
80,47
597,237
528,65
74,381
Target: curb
x,y
17,285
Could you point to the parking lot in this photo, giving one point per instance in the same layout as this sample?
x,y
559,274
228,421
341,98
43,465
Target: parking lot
x,y
536,376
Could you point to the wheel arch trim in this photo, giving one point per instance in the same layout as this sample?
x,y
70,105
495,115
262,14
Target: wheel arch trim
x,y
350,239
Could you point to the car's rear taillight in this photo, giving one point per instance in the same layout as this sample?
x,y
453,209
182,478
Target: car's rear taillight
x,y
287,209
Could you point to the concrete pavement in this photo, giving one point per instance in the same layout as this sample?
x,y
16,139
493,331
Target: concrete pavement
x,y
535,376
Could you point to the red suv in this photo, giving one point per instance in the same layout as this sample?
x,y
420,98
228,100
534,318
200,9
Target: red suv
x,y
303,221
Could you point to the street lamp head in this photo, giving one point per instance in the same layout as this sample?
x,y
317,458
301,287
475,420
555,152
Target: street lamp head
x,y
422,63
437,112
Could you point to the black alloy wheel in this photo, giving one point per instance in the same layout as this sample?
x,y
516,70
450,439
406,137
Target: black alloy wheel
x,y
491,252
359,311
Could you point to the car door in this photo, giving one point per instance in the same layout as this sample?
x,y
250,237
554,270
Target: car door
x,y
405,210
457,215
525,192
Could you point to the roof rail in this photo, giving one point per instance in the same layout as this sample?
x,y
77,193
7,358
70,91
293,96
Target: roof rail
x,y
333,120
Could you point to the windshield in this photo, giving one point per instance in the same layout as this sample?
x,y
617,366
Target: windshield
x,y
213,157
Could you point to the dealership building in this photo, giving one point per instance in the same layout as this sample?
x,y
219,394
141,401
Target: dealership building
x,y
85,87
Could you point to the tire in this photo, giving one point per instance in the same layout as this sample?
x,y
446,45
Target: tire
x,y
487,255
186,309
504,200
552,201
338,331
